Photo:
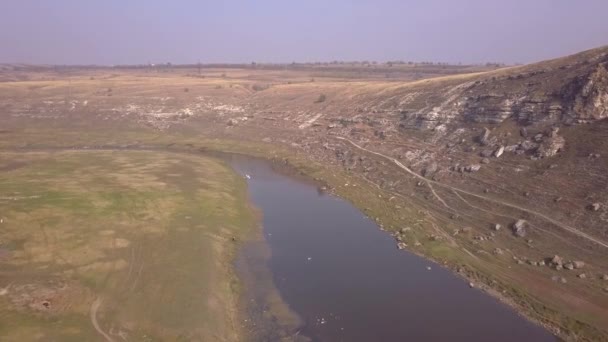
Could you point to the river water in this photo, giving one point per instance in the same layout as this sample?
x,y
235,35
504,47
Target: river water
x,y
347,281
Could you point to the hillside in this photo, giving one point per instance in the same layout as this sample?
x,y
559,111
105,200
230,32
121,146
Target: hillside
x,y
500,174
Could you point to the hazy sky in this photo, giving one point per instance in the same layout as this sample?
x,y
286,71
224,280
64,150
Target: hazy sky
x,y
133,31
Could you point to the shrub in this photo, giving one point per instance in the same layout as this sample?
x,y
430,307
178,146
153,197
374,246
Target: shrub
x,y
321,98
260,87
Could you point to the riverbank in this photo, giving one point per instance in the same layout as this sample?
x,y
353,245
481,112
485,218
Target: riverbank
x,y
391,211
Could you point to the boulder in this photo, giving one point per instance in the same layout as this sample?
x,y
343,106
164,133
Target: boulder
x,y
486,153
595,206
527,145
569,266
550,147
582,276
484,137
499,151
497,227
578,264
520,228
430,170
473,168
557,260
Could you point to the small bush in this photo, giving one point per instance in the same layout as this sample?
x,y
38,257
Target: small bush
x,y
260,87
186,90
321,98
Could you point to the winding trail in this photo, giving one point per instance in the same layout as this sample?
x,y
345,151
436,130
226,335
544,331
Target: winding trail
x,y
94,308
485,198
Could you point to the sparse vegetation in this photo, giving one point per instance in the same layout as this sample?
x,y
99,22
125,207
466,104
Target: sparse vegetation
x,y
115,239
321,98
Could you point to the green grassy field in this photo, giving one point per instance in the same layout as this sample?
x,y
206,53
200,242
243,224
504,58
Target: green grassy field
x,y
103,245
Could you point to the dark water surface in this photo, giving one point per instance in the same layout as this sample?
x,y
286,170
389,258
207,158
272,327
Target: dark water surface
x,y
347,281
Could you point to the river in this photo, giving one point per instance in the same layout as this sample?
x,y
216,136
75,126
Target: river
x,y
346,280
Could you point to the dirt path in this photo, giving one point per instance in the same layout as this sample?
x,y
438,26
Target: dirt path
x,y
485,198
94,307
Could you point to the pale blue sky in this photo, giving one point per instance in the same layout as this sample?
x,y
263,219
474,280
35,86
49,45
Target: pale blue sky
x,y
185,31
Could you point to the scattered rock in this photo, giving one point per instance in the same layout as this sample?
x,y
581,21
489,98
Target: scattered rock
x,y
430,170
485,161
486,153
467,229
435,238
563,280
471,285
473,168
405,230
558,267
499,151
484,137
528,145
553,132
523,132
604,277
557,260
551,147
497,227
401,245
417,244
595,206
520,228
569,266
232,122
498,251
578,264
582,276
